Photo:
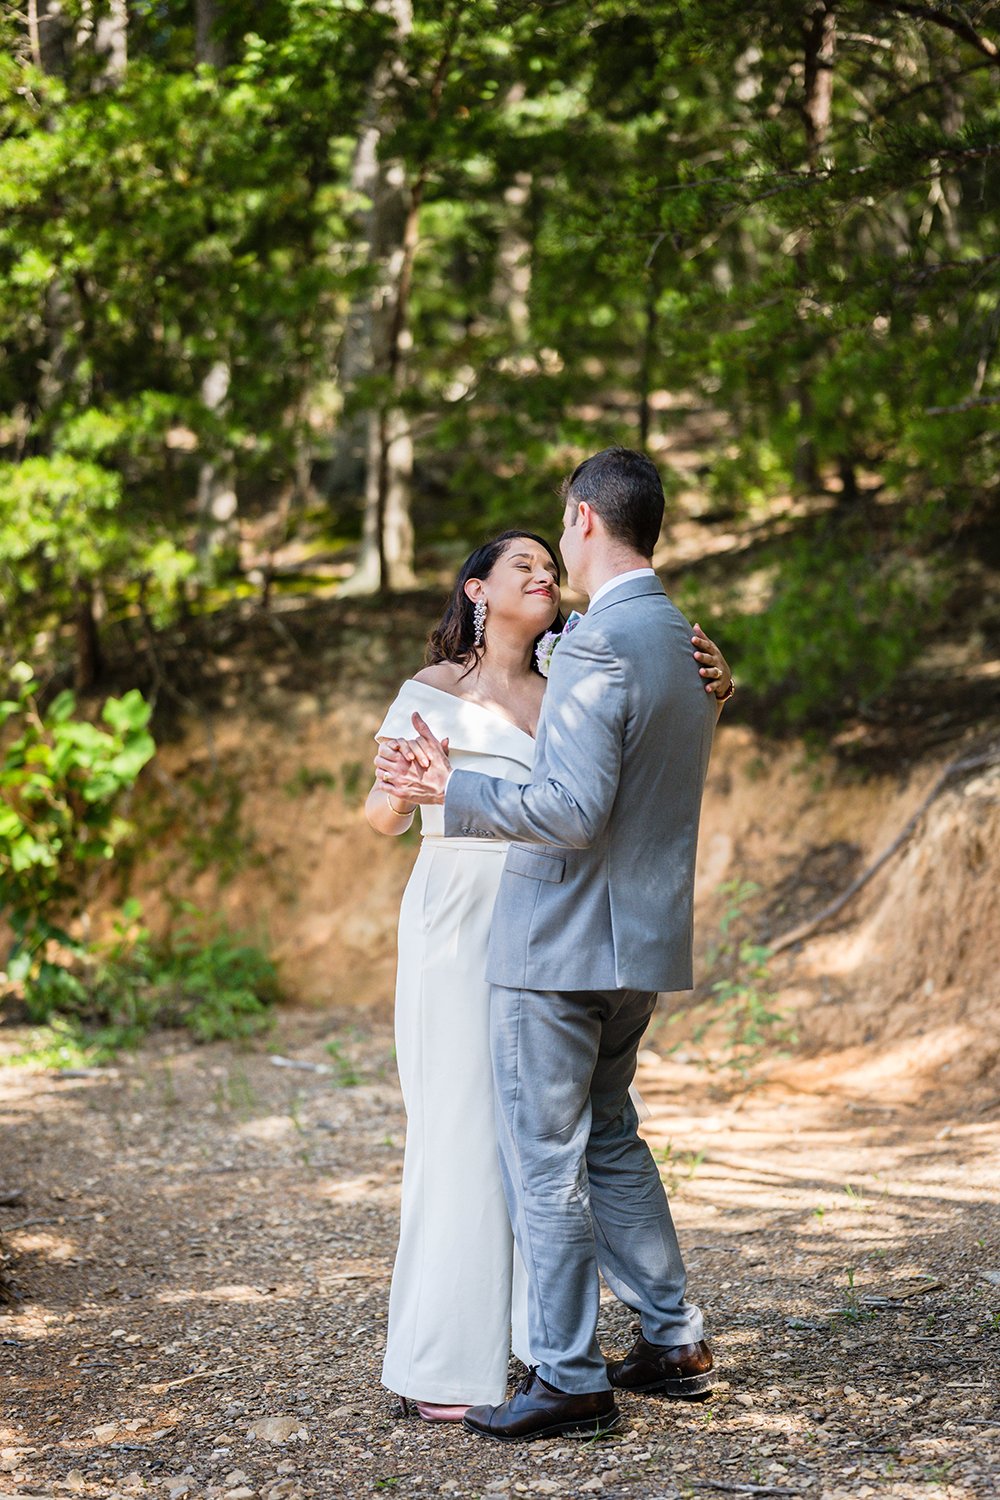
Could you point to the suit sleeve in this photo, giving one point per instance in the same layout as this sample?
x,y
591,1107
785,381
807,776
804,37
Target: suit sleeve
x,y
574,788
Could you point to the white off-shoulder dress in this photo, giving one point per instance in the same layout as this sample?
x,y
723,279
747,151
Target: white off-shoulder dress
x,y
449,1334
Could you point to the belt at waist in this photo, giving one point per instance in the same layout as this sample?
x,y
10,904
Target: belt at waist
x,y
487,846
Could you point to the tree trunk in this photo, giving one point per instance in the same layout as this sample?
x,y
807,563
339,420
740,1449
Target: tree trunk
x,y
512,277
89,661
377,340
53,46
49,36
216,501
111,41
646,363
514,259
819,33
210,47
102,31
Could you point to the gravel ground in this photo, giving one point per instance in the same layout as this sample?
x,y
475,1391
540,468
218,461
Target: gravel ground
x,y
202,1241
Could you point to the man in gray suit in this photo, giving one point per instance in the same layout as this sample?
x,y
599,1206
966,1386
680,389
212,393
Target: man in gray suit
x,y
592,919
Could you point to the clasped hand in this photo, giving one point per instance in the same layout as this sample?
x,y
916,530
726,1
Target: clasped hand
x,y
414,770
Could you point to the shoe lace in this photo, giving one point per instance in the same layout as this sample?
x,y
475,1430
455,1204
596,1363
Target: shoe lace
x,y
526,1381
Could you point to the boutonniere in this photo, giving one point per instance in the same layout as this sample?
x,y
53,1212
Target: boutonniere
x,y
545,650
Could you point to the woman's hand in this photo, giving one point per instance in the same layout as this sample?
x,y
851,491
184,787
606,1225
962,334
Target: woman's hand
x,y
414,770
715,668
385,812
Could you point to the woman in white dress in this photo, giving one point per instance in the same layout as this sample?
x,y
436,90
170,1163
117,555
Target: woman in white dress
x,y
449,1333
450,1303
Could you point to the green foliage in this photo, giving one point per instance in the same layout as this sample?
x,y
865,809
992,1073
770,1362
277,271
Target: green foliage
x,y
211,983
843,614
64,531
306,779
741,1011
347,1075
217,839
62,781
626,219
677,1167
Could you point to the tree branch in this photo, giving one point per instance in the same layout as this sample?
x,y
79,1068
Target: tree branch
x,y
957,24
969,405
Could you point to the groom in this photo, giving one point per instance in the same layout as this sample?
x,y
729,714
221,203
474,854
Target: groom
x,y
592,919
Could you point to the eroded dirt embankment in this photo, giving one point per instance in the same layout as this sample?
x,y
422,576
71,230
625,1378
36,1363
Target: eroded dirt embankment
x,y
898,993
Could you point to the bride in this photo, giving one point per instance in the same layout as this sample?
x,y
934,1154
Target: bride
x,y
455,1279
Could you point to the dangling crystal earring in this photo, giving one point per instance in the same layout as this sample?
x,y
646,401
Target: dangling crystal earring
x,y
479,620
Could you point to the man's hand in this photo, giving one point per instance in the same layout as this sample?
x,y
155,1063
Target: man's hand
x,y
716,668
414,770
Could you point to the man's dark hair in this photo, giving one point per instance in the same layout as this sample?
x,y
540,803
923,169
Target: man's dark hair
x,y
624,489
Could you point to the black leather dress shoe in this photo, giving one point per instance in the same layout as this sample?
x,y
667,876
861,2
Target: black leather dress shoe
x,y
680,1370
537,1410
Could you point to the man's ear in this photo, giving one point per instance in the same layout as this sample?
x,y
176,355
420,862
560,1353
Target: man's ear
x,y
585,518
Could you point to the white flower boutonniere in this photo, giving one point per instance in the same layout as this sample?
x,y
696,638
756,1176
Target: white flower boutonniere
x,y
545,649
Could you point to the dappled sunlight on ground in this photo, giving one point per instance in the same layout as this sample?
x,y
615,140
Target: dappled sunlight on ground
x,y
219,1237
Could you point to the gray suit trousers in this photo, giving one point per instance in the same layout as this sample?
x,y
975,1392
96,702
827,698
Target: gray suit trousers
x,y
583,1190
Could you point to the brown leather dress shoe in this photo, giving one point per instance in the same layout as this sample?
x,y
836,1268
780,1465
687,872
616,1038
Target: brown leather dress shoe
x,y
683,1371
537,1410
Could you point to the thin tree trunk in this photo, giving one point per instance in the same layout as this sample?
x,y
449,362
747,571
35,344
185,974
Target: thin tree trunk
x,y
216,501
210,46
819,33
53,44
89,662
49,36
646,365
512,278
102,31
378,338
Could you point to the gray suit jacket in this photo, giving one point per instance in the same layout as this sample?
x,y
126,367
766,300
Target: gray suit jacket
x,y
597,888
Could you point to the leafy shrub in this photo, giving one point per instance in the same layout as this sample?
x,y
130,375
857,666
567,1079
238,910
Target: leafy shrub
x,y
740,1020
216,986
62,781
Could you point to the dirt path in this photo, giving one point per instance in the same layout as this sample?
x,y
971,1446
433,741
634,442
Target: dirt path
x,y
204,1240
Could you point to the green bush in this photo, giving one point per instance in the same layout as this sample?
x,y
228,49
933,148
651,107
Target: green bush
x,y
62,781
214,985
740,1024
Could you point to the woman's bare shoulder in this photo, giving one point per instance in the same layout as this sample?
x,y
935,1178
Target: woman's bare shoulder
x,y
443,674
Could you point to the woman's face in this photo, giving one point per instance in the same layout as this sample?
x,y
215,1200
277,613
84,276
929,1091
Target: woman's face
x,y
523,586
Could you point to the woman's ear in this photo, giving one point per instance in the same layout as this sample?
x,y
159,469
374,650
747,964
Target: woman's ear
x,y
474,589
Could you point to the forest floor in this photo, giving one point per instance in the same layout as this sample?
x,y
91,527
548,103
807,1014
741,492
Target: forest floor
x,y
202,1238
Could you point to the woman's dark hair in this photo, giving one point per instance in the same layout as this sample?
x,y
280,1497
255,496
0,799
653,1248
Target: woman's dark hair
x,y
454,637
